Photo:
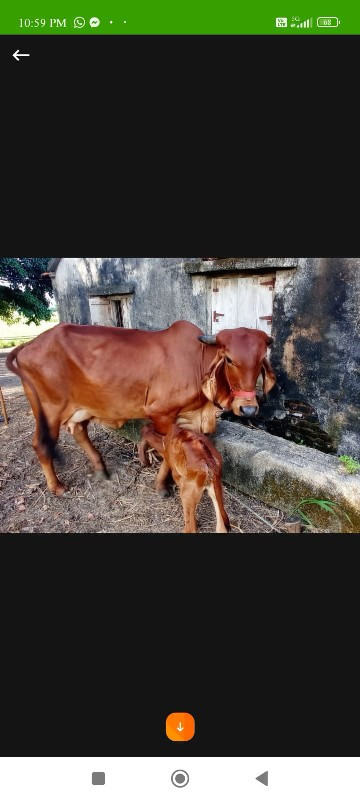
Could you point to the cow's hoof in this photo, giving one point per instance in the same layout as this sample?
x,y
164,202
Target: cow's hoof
x,y
163,493
59,490
101,475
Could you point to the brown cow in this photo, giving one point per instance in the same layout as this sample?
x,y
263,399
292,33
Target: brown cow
x,y
76,373
195,465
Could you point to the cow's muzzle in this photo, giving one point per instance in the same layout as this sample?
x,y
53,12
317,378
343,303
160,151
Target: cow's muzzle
x,y
249,411
244,403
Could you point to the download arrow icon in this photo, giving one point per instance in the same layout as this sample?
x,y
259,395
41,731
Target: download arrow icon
x,y
18,55
180,727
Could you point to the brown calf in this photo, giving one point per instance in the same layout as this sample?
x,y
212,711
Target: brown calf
x,y
195,465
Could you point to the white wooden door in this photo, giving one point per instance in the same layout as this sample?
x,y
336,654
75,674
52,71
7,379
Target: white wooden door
x,y
225,310
113,310
243,301
100,310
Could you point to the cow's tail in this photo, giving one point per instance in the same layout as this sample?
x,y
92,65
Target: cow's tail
x,y
46,444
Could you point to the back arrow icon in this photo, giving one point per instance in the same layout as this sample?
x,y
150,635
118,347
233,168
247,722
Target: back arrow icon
x,y
18,55
180,727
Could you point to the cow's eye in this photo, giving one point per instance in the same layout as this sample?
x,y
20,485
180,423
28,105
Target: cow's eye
x,y
228,360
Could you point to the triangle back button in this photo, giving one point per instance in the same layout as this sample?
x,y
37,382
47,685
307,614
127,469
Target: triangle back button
x,y
263,778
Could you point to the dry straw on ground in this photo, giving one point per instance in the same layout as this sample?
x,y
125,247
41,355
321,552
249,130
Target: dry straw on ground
x,y
126,503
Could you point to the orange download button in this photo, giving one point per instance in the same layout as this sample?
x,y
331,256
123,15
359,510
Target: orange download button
x,y
180,727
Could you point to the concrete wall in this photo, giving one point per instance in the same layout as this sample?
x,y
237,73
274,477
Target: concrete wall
x,y
164,292
316,329
316,353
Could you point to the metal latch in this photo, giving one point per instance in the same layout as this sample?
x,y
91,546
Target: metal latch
x,y
216,314
270,283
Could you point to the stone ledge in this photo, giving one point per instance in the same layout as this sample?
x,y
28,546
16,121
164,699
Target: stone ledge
x,y
112,289
240,265
281,473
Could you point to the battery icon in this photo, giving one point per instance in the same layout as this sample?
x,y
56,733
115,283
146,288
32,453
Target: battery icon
x,y
327,22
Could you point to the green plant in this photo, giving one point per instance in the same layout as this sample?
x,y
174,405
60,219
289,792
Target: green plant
x,y
6,343
328,506
350,464
24,290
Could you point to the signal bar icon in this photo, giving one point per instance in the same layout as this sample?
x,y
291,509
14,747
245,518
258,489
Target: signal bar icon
x,y
306,24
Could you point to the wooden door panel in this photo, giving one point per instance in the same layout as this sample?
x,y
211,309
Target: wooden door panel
x,y
243,301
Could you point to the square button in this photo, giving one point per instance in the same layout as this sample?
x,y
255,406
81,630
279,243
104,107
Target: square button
x,y
180,727
98,778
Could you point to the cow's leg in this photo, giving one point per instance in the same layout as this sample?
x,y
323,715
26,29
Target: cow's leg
x,y
81,436
215,492
42,444
161,480
190,494
46,460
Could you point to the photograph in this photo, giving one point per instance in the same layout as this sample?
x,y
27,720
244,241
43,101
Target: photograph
x,y
180,395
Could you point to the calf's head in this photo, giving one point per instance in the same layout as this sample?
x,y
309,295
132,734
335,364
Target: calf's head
x,y
239,359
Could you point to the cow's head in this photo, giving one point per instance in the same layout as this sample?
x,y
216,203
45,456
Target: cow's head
x,y
239,358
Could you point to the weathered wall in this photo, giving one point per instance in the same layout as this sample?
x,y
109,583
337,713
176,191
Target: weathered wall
x,y
316,327
316,353
164,292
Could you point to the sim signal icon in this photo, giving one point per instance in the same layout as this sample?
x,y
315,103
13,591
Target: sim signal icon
x,y
307,23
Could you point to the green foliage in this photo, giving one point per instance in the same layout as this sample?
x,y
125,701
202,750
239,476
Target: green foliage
x,y
350,464
23,290
6,343
328,506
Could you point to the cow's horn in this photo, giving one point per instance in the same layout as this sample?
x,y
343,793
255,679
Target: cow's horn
x,y
207,339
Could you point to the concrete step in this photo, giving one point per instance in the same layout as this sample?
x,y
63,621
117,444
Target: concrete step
x,y
282,473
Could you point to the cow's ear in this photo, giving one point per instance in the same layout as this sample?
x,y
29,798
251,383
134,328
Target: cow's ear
x,y
209,382
269,377
214,380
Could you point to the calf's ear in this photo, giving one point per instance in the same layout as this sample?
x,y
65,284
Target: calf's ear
x,y
269,377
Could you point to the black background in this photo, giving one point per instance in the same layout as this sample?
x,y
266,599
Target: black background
x,y
162,141
104,636
170,140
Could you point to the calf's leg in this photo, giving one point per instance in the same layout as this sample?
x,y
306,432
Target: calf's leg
x,y
190,494
214,490
150,438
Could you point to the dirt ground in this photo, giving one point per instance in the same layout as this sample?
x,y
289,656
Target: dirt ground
x,y
126,503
